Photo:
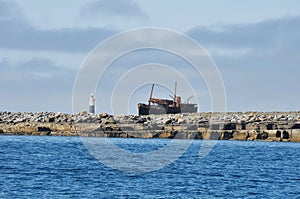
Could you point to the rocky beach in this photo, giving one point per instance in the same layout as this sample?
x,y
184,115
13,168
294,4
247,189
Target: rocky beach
x,y
260,126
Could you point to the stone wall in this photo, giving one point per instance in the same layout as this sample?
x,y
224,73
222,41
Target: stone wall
x,y
275,126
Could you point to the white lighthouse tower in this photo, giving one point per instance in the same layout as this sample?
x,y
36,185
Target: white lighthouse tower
x,y
92,104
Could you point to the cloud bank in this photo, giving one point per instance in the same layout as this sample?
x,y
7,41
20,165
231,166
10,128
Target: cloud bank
x,y
128,9
259,61
266,36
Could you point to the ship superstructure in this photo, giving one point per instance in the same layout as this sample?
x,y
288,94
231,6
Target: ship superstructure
x,y
166,106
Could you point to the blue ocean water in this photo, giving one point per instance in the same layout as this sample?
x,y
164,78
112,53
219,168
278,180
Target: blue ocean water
x,y
61,167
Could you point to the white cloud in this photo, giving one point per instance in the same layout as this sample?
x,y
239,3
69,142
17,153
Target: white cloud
x,y
10,10
259,61
128,9
269,34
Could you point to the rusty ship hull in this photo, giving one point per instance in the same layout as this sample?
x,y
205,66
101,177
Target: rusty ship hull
x,y
165,106
145,109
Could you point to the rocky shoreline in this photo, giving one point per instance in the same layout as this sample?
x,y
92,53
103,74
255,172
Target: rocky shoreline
x,y
260,126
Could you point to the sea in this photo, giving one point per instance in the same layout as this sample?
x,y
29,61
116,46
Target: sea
x,y
62,167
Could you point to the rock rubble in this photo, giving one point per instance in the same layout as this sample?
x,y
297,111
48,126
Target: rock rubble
x,y
265,126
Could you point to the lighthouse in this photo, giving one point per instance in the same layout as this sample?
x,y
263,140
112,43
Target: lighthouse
x,y
92,104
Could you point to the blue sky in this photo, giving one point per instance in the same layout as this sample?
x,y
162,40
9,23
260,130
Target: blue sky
x,y
255,45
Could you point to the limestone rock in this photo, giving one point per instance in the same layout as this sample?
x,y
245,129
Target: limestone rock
x,y
241,135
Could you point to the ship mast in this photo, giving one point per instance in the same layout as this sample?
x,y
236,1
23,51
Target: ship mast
x,y
150,98
174,99
188,99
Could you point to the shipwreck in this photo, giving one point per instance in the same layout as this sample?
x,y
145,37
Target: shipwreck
x,y
166,106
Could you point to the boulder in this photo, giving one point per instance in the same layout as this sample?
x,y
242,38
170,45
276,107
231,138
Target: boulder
x,y
141,120
262,135
211,135
82,113
43,128
226,135
240,135
168,121
295,135
103,115
166,134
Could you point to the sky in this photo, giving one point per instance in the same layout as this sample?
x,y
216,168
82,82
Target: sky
x,y
255,45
